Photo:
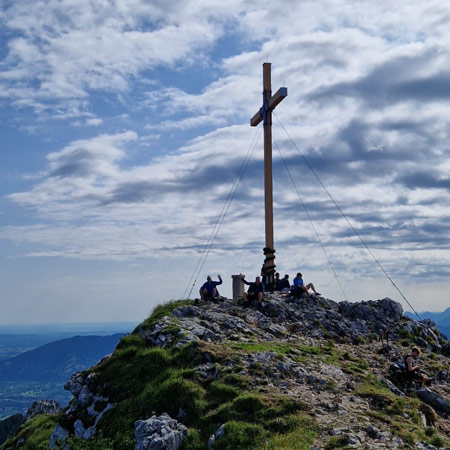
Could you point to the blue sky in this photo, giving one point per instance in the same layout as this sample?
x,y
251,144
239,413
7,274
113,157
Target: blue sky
x,y
124,124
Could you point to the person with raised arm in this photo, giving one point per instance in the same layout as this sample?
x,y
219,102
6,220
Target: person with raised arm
x,y
209,289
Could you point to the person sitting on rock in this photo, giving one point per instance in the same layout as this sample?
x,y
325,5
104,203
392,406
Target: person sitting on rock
x,y
284,285
299,287
255,291
209,290
277,281
413,370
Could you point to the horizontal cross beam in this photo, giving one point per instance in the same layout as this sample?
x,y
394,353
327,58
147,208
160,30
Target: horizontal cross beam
x,y
273,102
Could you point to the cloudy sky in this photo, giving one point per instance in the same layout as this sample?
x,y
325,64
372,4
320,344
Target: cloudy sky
x,y
124,124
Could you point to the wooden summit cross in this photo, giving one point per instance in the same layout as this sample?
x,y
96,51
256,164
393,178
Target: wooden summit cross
x,y
265,114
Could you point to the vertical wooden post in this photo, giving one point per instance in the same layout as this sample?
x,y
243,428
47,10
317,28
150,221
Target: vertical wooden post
x,y
269,251
265,115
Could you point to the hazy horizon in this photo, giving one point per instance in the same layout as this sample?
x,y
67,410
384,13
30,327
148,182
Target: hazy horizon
x,y
56,327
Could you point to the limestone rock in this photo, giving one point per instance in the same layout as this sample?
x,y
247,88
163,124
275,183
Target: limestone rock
x,y
59,437
49,407
84,433
435,400
159,433
75,384
325,350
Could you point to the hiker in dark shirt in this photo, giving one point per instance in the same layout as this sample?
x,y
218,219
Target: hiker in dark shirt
x,y
413,370
255,291
277,281
209,290
284,285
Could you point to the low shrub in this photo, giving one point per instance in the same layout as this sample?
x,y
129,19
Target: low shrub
x,y
242,436
337,442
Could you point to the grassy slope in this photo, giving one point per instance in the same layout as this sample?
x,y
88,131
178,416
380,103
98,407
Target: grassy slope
x,y
35,433
143,381
9,426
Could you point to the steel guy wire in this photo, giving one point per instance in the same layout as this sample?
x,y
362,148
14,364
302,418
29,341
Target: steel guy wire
x,y
345,217
215,230
311,221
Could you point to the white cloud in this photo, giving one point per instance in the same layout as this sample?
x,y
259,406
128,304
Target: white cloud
x,y
94,122
368,98
65,49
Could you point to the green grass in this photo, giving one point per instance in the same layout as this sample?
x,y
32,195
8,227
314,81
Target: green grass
x,y
438,441
241,435
222,392
143,381
295,432
35,432
354,366
164,309
9,426
405,334
97,443
257,408
380,396
337,442
397,407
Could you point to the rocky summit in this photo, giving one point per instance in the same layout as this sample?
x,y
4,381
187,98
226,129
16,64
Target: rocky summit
x,y
292,373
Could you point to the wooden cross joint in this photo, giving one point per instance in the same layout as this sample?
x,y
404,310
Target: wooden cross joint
x,y
273,102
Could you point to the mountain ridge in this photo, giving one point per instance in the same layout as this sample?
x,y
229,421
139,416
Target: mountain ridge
x,y
57,360
293,373
441,319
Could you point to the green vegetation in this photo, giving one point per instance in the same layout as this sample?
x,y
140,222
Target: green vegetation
x,y
162,310
390,409
143,381
98,443
397,407
241,435
35,432
376,392
9,426
298,434
205,386
437,441
353,365
337,442
405,334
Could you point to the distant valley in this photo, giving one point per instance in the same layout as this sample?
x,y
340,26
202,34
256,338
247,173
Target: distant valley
x,y
42,372
17,339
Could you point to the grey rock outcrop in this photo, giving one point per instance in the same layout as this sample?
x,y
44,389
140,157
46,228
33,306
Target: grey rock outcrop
x,y
93,406
159,433
58,438
310,348
49,407
435,400
75,384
